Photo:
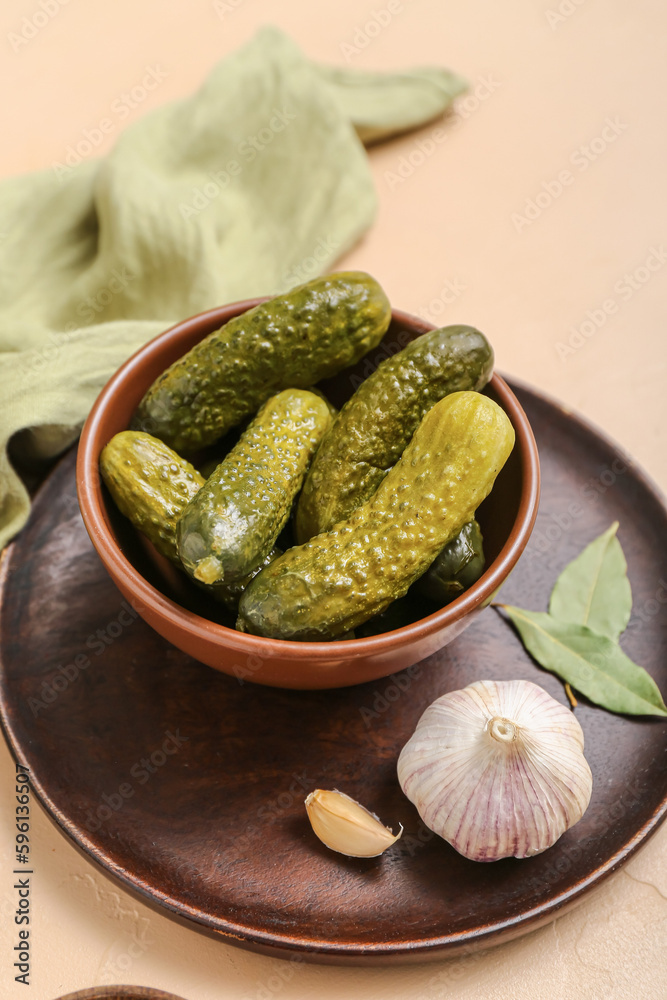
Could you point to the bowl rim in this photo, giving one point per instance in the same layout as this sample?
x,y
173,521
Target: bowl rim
x,y
149,598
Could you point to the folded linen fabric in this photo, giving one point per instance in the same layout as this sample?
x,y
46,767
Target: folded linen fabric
x,y
254,184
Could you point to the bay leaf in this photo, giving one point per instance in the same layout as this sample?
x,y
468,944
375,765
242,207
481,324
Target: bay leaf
x,y
594,589
593,664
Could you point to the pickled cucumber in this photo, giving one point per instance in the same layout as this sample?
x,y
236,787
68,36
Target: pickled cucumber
x,y
296,339
232,523
343,577
457,567
230,594
373,428
150,484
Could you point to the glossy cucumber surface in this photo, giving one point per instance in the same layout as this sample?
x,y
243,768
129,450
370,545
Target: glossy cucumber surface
x,y
373,428
233,522
341,578
150,484
293,340
456,568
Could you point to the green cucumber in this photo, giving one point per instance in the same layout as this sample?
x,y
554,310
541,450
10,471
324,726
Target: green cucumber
x,y
151,485
295,339
457,567
374,427
232,523
343,577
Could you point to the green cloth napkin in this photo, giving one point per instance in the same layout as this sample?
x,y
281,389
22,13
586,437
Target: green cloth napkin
x,y
256,183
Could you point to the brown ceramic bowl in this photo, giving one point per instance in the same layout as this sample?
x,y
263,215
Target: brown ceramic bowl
x,y
178,611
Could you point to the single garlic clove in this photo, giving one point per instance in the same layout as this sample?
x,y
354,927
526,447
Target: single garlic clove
x,y
497,769
346,826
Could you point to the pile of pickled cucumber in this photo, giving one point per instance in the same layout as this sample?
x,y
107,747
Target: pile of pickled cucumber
x,y
376,500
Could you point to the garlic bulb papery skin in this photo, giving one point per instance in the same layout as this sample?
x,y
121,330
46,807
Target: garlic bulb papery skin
x,y
497,769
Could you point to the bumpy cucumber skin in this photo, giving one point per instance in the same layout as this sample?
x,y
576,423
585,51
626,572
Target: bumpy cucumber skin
x,y
373,428
150,484
343,577
457,567
296,339
232,523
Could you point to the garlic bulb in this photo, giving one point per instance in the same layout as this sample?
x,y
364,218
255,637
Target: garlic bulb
x,y
346,826
497,769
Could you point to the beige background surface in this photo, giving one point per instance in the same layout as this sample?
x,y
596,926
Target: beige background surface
x,y
547,78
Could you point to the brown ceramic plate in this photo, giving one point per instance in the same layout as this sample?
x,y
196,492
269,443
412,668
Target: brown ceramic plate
x,y
188,787
120,993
